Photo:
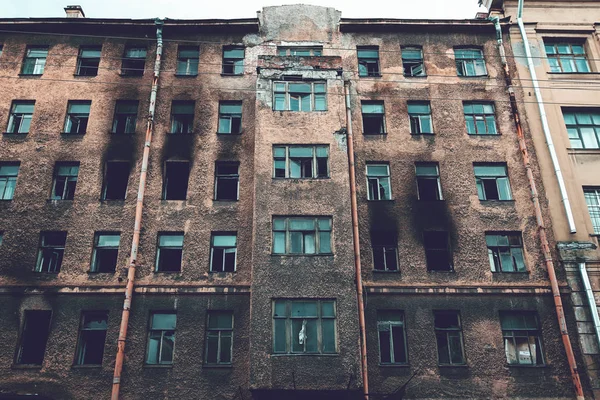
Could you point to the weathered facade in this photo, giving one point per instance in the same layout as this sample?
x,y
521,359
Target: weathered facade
x,y
443,309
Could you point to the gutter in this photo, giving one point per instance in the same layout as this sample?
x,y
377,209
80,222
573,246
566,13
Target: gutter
x,y
591,300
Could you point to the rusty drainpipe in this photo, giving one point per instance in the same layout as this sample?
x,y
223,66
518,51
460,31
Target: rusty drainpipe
x,y
355,237
539,218
138,219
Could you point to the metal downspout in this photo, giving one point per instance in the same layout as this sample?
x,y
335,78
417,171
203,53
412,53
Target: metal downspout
x,y
591,300
138,219
539,218
355,237
545,126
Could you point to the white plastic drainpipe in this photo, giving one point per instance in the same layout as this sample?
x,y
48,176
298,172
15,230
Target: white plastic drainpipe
x,y
545,126
591,300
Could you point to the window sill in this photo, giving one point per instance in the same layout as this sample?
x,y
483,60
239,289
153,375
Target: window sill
x,y
230,134
422,134
67,134
305,355
217,366
486,76
374,134
415,76
381,271
30,75
381,201
228,75
278,178
94,273
483,134
167,272
431,200
185,75
221,273
300,111
86,366
511,273
406,365
526,366
451,366
26,366
118,202
494,202
179,133
122,133
59,201
571,150
122,75
302,255
158,366
225,201
15,134
370,76
435,271
560,75
84,76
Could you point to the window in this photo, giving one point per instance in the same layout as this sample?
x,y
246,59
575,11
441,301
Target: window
x,y
419,114
230,117
35,60
448,334
428,181
223,252
480,118
300,51
182,117
437,251
169,252
412,61
21,113
88,60
505,251
300,96
161,338
592,198
583,127
522,338
34,336
304,326
301,235
378,182
175,181
65,180
134,61
51,251
1,47
187,60
78,115
385,251
106,250
8,179
233,60
492,182
392,337
92,336
125,116
469,62
566,57
227,178
373,117
219,337
116,177
368,61
300,162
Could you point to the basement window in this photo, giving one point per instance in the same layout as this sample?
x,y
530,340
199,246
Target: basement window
x,y
125,116
219,338
448,334
169,252
505,251
583,127
50,252
34,337
429,186
20,117
230,117
300,162
92,336
566,57
116,177
392,337
188,58
437,251
134,61
373,116
175,181
161,338
300,51
419,113
106,251
522,338
301,235
385,251
233,60
480,118
35,60
378,182
368,61
227,178
412,61
492,181
8,179
469,62
78,115
88,60
299,96
65,180
182,117
223,252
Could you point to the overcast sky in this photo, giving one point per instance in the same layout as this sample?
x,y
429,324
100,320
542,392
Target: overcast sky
x,y
200,9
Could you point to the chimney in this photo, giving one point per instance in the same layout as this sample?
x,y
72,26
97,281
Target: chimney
x,y
74,12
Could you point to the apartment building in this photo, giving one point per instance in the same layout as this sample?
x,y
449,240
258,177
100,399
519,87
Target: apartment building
x,y
244,224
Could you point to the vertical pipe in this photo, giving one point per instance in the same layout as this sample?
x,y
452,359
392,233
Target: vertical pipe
x,y
591,300
540,219
355,238
138,219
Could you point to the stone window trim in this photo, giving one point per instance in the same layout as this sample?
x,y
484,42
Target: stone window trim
x,y
302,235
449,338
391,332
21,114
301,161
300,95
34,61
219,338
566,55
88,60
522,338
9,172
412,61
160,349
91,339
505,251
470,61
188,58
379,185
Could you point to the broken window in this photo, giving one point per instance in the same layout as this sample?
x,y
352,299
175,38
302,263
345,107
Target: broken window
x,y
92,336
368,61
51,251
378,182
437,251
522,338
20,117
448,334
175,181
134,61
385,251
300,51
65,180
583,127
304,326
566,57
480,118
8,179
469,62
428,181
373,117
169,252
592,198
34,336
125,116
219,337
392,337
78,115
300,162
492,181
505,251
233,60
35,60
301,235
116,177
182,117
187,60
223,252
419,113
88,60
299,96
161,338
412,61
227,178
106,251
230,117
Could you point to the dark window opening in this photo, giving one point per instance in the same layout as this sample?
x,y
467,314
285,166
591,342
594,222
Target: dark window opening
x,y
373,118
176,179
368,61
492,182
36,329
233,60
106,251
448,333
125,116
385,251
226,181
223,249
51,251
65,181
134,61
92,336
437,251
182,117
169,252
116,177
8,179
88,60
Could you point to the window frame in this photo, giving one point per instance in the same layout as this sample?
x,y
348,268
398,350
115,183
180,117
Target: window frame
x,y
378,178
480,185
288,50
233,62
97,247
57,252
495,252
213,235
287,251
590,193
463,61
82,343
71,177
219,331
383,125
179,119
446,332
77,118
416,118
593,127
287,160
39,66
364,62
531,333
382,322
151,330
159,247
406,61
289,94
426,176
130,117
190,69
571,56
9,180
129,65
81,58
230,116
226,177
17,120
473,119
378,243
